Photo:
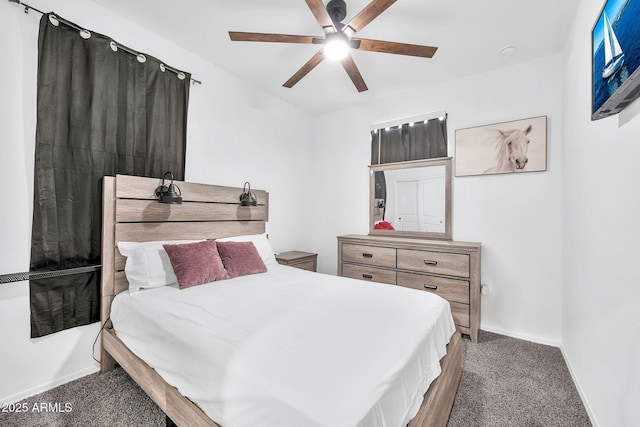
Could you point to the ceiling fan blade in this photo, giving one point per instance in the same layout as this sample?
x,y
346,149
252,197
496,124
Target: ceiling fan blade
x,y
319,10
238,36
369,13
306,68
352,69
396,48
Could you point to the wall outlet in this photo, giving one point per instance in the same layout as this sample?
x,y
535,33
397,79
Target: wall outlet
x,y
485,289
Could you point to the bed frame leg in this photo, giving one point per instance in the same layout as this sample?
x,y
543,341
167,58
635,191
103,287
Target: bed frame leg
x,y
107,363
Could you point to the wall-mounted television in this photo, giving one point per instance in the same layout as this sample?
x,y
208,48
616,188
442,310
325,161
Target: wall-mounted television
x,y
616,57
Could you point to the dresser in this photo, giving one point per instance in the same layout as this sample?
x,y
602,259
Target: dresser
x,y
447,268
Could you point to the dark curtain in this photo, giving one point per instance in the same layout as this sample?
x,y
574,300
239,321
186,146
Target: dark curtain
x,y
380,182
380,190
414,141
100,112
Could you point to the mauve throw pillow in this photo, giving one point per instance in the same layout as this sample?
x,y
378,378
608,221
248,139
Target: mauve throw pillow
x,y
196,263
241,258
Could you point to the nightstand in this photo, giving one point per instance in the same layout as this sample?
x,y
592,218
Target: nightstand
x,y
298,259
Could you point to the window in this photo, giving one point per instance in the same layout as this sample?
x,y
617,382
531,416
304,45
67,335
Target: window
x,y
415,138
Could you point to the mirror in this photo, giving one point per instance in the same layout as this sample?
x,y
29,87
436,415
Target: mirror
x,y
411,199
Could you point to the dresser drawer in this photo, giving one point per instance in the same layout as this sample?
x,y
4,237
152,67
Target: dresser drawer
x,y
460,314
434,262
306,265
371,274
449,289
371,255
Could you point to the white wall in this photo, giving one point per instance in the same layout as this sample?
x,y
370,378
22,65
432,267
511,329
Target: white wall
x,y
236,133
516,217
601,212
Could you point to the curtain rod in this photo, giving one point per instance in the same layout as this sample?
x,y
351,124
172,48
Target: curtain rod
x,y
28,275
124,48
26,6
412,119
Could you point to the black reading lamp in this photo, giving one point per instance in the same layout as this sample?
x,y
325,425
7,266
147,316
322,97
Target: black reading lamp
x,y
168,194
248,197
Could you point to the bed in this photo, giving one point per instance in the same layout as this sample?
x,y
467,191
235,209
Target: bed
x,y
263,308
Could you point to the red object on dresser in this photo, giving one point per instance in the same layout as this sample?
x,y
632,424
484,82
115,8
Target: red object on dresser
x,y
383,225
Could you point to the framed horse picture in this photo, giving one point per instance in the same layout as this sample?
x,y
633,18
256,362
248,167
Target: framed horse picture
x,y
507,147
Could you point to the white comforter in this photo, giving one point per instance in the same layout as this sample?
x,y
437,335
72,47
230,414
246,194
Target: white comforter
x,y
291,347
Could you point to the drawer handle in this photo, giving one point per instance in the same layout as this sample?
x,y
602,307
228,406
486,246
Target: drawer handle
x,y
429,262
367,276
432,287
367,255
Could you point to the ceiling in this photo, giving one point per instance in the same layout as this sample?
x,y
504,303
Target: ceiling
x,y
469,34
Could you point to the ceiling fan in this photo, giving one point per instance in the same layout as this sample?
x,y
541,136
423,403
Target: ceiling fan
x,y
338,39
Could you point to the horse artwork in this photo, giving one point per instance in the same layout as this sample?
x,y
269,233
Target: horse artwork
x,y
509,147
511,150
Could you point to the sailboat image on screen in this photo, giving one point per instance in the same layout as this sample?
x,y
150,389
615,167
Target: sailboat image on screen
x,y
613,55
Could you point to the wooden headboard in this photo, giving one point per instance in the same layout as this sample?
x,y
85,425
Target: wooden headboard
x,y
131,213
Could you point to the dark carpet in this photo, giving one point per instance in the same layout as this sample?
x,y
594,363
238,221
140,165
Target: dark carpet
x,y
506,382
511,382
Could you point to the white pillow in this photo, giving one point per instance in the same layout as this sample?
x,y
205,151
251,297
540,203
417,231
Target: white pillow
x,y
261,243
148,264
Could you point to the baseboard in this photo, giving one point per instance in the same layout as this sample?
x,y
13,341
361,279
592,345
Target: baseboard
x,y
581,393
49,385
537,340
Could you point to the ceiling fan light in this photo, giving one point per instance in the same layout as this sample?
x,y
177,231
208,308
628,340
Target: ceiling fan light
x,y
336,49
